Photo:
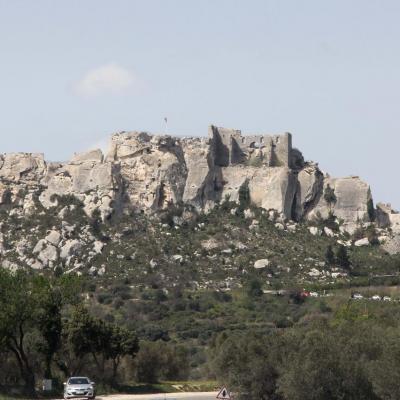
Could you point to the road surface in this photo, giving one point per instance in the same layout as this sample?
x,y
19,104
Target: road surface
x,y
162,396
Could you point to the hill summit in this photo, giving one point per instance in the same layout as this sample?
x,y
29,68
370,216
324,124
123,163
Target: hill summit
x,y
144,174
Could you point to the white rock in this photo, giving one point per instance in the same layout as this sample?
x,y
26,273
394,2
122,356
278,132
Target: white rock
x,y
262,263
177,258
70,248
344,243
98,246
272,215
291,228
67,228
338,274
248,213
10,265
22,247
328,232
279,226
226,251
209,244
314,272
40,245
54,238
314,230
361,242
49,253
37,265
240,246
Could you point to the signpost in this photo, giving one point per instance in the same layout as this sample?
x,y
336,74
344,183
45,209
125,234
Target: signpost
x,y
224,394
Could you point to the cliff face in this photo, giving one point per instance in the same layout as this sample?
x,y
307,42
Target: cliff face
x,y
146,173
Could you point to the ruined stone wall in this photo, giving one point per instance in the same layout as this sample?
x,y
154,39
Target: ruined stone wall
x,y
232,148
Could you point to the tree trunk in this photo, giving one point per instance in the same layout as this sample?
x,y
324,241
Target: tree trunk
x,y
27,374
115,363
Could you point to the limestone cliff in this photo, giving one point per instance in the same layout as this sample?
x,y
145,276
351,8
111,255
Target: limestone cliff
x,y
146,173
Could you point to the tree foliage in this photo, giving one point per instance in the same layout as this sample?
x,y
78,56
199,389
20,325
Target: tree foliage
x,y
329,196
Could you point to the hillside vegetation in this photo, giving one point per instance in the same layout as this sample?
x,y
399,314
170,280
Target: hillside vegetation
x,y
183,295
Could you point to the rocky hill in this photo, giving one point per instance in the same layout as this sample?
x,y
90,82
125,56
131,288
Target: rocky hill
x,y
123,207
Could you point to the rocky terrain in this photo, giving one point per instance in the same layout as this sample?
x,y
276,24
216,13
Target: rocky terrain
x,y
123,207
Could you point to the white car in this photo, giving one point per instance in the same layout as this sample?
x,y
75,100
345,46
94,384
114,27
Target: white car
x,y
376,297
387,298
79,387
357,296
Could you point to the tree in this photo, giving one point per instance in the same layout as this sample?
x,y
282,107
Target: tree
x,y
324,364
87,335
329,256
254,288
244,196
18,314
82,336
161,360
122,342
49,321
342,257
149,362
329,196
384,372
30,320
246,363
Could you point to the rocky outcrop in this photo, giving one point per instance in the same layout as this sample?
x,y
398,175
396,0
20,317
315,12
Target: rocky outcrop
x,y
349,199
88,177
269,188
147,173
152,168
309,189
387,217
22,167
199,160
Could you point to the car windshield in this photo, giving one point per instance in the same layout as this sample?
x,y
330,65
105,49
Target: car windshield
x,y
78,381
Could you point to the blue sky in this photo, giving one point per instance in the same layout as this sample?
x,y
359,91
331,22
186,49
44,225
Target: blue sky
x,y
72,72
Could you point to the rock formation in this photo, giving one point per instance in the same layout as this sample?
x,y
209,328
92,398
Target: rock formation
x,y
147,173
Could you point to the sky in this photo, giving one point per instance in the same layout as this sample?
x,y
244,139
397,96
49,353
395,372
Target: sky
x,y
73,72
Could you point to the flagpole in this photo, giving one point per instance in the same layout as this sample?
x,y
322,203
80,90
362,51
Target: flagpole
x,y
166,125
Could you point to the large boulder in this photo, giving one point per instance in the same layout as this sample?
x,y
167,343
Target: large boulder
x,y
45,252
351,201
262,263
269,188
70,248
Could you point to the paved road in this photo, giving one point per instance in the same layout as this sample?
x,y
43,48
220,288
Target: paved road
x,y
162,396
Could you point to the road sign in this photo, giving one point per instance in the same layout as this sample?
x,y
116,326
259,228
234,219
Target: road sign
x,y
224,394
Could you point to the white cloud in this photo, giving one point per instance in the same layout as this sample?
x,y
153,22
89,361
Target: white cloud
x,y
107,79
